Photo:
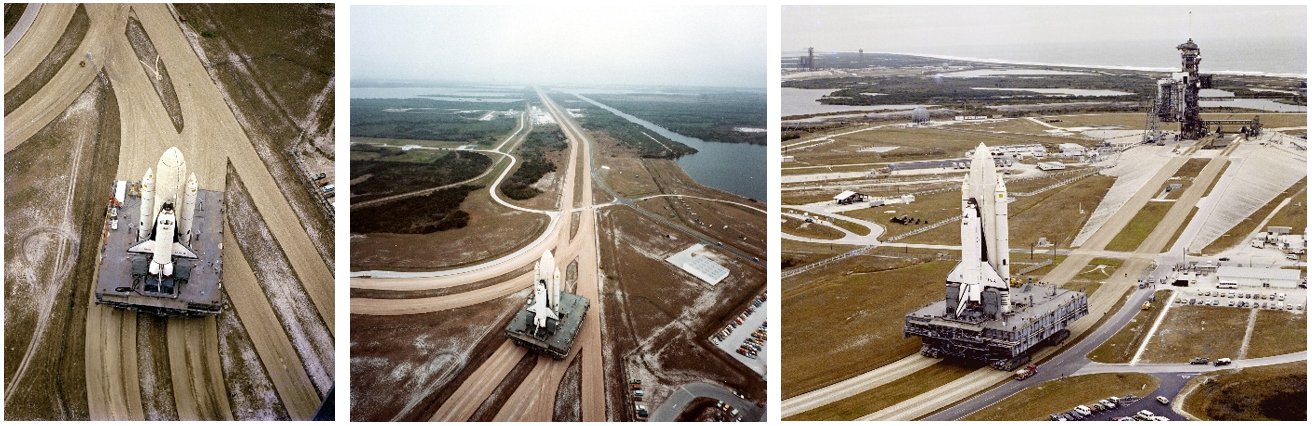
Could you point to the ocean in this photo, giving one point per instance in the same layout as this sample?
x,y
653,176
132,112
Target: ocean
x,y
1270,56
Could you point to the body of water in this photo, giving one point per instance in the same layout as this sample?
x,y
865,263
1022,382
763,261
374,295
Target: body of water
x,y
796,101
460,94
1256,55
735,167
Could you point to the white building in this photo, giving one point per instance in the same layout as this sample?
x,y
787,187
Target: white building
x,y
1071,149
1259,277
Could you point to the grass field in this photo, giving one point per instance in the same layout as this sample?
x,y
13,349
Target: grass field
x,y
1197,331
1140,226
1056,396
891,393
910,143
793,226
1121,347
840,324
1274,392
1276,333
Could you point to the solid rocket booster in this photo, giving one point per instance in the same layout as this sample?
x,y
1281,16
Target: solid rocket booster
x,y
555,291
147,203
1002,245
188,210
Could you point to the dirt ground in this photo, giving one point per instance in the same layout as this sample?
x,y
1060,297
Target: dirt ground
x,y
307,325
275,66
46,299
657,329
426,355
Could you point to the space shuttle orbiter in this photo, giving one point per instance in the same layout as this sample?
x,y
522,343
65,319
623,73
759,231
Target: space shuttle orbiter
x,y
164,232
546,291
985,255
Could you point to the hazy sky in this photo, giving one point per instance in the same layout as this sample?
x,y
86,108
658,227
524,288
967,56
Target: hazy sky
x,y
914,29
666,45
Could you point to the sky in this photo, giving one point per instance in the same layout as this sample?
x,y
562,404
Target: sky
x,y
568,45
908,29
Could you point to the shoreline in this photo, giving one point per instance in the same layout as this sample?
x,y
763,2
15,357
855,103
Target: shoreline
x,y
998,61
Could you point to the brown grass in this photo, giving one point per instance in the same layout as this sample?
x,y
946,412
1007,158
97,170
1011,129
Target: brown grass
x,y
797,253
882,397
1277,332
1273,392
840,324
1241,231
911,143
1197,331
1140,226
1056,396
1121,347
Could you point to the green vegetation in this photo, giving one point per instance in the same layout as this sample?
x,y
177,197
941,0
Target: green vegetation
x,y
646,143
879,398
851,317
384,177
429,119
1273,392
535,164
435,212
706,116
1121,347
1140,226
954,92
1056,396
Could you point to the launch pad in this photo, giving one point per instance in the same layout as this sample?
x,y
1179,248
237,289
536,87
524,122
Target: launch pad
x,y
125,281
557,337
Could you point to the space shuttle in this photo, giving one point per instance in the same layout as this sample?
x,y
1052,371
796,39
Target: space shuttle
x,y
546,291
985,251
168,206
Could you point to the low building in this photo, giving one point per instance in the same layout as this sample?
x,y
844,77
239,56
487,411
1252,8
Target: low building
x,y
849,197
1295,244
1051,165
1259,277
1071,149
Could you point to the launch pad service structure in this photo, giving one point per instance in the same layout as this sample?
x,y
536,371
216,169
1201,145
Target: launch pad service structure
x,y
168,261
551,320
982,317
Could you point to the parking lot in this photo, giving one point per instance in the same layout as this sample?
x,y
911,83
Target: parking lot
x,y
1284,299
740,336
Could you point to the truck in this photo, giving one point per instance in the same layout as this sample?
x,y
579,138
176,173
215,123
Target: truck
x,y
1026,372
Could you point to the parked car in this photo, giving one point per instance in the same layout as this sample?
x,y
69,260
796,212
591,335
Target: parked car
x,y
1107,404
1083,409
1199,360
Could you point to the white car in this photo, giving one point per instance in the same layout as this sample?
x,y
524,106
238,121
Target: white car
x,y
1083,410
1163,399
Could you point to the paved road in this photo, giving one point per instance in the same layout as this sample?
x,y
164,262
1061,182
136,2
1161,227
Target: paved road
x,y
672,407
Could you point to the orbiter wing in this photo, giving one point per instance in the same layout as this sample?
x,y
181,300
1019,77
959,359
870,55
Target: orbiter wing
x,y
148,247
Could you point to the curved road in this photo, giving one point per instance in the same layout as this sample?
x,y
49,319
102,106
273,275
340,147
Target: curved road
x,y
674,406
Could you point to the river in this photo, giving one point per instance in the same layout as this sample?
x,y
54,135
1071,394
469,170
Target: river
x,y
735,167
